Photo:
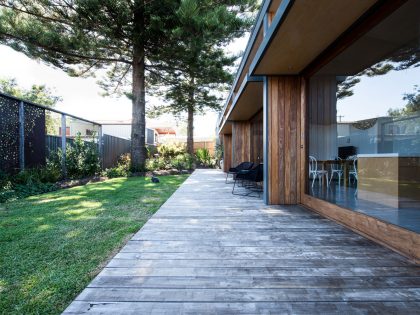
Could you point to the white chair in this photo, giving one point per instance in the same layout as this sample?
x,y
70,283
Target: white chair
x,y
314,172
337,169
353,168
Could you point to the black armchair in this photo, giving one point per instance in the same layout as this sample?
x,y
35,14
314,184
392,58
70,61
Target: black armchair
x,y
251,179
241,167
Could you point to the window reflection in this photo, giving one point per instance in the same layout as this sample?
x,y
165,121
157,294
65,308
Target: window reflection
x,y
364,123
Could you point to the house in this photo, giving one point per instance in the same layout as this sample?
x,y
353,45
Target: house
x,y
306,61
165,134
122,129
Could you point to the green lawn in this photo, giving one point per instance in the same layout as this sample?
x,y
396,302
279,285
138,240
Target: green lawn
x,y
52,245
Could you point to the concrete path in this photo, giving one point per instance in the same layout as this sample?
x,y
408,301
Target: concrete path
x,y
209,252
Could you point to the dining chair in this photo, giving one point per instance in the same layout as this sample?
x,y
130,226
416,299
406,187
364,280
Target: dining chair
x,y
353,169
337,169
314,172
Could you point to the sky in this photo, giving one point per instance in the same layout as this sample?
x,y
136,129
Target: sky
x,y
82,96
375,95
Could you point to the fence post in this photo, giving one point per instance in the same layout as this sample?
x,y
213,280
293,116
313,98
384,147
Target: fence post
x,y
21,136
100,146
63,145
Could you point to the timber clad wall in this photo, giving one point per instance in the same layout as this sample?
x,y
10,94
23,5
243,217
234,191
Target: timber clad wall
x,y
227,152
257,138
283,158
241,142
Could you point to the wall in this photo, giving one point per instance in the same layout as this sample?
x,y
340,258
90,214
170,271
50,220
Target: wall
x,y
121,131
227,152
257,151
323,117
241,142
283,106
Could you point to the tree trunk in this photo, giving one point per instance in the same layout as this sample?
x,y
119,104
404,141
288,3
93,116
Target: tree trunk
x,y
190,125
138,129
190,130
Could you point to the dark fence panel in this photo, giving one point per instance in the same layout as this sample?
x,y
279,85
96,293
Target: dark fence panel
x,y
34,137
113,148
9,135
30,132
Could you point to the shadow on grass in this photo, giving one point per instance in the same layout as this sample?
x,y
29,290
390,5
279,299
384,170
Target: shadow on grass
x,y
51,245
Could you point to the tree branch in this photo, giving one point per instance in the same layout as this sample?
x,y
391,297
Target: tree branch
x,y
69,54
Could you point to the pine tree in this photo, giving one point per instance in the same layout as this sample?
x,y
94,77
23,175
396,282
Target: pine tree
x,y
83,37
200,67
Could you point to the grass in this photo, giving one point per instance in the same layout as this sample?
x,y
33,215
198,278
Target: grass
x,y
52,245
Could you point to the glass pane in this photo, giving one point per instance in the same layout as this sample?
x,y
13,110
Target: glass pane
x,y
364,123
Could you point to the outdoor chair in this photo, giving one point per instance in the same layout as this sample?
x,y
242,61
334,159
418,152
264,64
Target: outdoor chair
x,y
251,180
315,173
241,167
337,169
353,169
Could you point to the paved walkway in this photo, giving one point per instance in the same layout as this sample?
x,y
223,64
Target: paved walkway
x,y
208,252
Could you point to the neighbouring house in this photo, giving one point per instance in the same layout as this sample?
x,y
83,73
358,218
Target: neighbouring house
x,y
75,126
305,62
165,134
122,129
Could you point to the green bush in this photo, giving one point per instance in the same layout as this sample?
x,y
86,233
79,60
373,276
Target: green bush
x,y
182,161
151,151
27,183
204,158
172,150
122,169
82,158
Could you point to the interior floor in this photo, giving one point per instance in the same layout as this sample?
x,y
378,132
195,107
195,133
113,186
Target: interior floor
x,y
347,197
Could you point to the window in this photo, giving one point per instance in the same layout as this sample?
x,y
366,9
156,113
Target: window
x,y
364,123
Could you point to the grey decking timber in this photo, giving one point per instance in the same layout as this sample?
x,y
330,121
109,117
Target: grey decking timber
x,y
131,308
208,252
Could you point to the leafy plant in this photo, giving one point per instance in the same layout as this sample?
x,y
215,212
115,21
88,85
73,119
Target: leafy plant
x,y
27,183
122,169
171,150
204,157
82,158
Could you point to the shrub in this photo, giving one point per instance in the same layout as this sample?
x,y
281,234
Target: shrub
x,y
26,183
151,151
82,158
171,150
122,169
180,162
204,158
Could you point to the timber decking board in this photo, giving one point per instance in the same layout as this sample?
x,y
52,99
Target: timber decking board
x,y
208,252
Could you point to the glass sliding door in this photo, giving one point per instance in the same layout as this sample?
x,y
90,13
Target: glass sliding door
x,y
364,123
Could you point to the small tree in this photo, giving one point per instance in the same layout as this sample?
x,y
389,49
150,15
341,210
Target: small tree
x,y
412,106
199,68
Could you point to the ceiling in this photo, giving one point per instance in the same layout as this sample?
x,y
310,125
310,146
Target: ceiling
x,y
308,28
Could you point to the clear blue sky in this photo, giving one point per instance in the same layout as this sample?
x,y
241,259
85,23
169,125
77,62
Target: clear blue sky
x,y
375,95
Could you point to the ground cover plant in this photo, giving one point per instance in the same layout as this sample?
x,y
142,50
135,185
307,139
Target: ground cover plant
x,y
52,245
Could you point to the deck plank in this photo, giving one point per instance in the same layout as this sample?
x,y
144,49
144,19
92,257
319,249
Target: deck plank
x,y
208,252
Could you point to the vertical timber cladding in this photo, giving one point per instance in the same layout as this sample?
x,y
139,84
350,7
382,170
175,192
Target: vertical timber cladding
x,y
284,102
227,152
257,151
241,142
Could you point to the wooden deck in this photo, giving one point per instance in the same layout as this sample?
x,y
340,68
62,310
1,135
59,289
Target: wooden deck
x,y
208,252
